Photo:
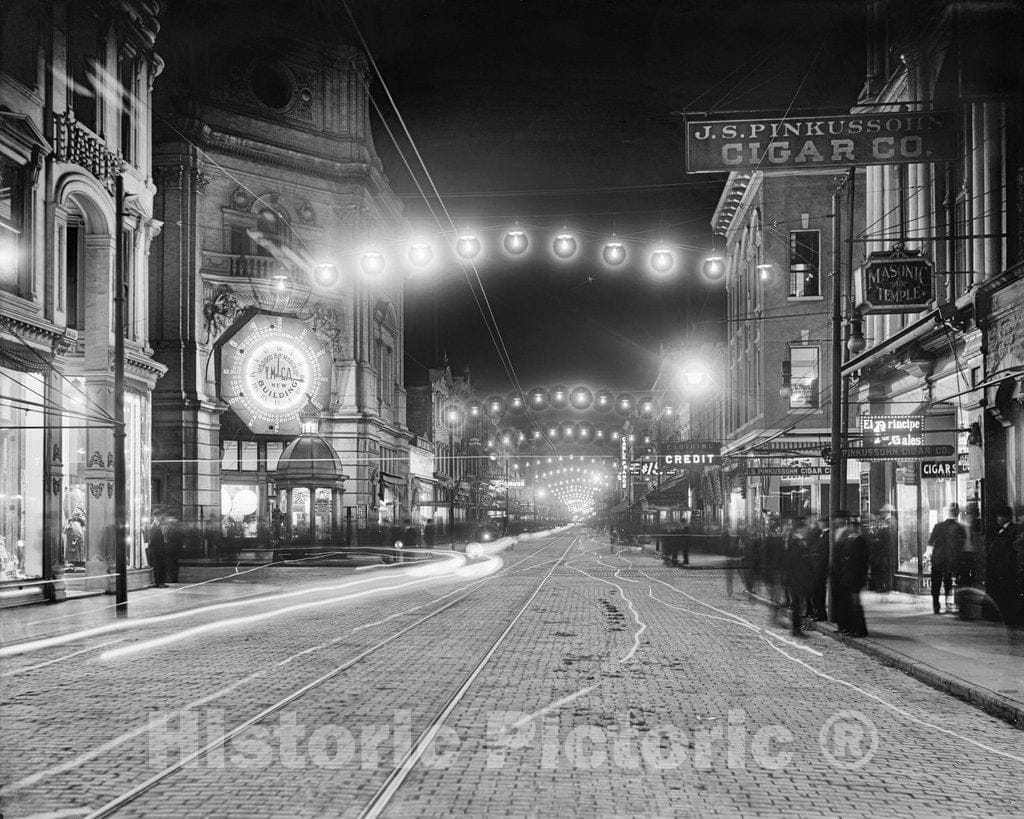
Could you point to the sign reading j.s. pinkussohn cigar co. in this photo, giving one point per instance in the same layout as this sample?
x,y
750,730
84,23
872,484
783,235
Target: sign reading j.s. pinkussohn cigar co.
x,y
715,146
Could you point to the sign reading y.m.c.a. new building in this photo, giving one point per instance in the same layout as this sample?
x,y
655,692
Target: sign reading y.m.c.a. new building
x,y
716,146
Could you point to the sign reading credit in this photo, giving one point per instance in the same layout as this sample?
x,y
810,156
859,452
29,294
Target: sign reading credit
x,y
815,142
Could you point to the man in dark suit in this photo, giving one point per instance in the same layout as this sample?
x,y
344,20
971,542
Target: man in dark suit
x,y
1001,566
795,572
817,552
947,541
157,550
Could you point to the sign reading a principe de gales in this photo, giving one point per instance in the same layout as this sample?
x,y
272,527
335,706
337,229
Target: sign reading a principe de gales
x,y
718,146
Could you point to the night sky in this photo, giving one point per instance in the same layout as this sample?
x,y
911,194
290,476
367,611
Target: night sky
x,y
563,113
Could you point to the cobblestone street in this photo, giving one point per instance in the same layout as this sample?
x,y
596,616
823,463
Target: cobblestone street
x,y
574,680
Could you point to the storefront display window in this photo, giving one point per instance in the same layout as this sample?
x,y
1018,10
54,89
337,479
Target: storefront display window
x,y
74,532
300,510
794,501
909,528
21,475
137,471
239,511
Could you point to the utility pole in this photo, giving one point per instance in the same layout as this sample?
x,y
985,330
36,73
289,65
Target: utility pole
x,y
837,477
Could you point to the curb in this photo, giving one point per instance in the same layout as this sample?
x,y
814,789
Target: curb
x,y
976,695
982,698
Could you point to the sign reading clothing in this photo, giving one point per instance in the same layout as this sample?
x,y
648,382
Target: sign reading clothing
x,y
817,142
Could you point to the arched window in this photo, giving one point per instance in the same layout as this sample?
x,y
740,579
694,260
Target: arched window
x,y
385,345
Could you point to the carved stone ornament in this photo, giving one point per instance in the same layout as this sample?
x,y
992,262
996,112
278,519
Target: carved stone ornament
x,y
96,489
306,213
55,485
219,312
169,176
240,199
96,460
200,180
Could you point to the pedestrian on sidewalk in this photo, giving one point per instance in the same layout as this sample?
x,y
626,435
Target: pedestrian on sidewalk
x,y
157,550
795,575
1001,566
817,551
430,534
849,573
882,542
947,542
174,544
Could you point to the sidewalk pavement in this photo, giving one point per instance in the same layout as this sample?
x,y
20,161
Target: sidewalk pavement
x,y
976,660
35,622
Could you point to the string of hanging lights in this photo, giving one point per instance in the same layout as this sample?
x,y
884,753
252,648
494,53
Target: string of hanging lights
x,y
424,253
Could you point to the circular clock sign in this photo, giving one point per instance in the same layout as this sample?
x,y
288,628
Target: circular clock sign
x,y
270,368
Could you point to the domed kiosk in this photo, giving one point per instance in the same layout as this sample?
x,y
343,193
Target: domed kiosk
x,y
310,486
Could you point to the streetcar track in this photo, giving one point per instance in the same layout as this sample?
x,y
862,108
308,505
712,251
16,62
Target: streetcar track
x,y
134,793
380,799
213,696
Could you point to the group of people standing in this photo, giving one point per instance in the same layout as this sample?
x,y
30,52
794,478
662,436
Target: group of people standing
x,y
166,538
792,562
956,560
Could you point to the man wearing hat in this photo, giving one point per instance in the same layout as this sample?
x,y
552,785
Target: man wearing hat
x,y
817,553
947,541
1002,567
157,551
849,571
883,548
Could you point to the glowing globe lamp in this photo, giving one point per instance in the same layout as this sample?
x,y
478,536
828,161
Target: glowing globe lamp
x,y
662,260
714,267
421,254
515,242
372,263
564,246
613,253
468,246
326,275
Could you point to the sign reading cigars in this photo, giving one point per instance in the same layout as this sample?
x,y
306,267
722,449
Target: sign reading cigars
x,y
717,146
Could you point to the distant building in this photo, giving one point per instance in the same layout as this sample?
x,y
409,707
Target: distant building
x,y
264,305
75,102
447,494
778,253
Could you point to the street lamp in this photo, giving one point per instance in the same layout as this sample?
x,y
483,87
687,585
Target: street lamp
x,y
452,416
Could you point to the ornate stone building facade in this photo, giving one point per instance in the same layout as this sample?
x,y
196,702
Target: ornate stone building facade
x,y
271,191
75,87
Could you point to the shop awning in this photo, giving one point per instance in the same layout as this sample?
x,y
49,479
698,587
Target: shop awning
x,y
674,495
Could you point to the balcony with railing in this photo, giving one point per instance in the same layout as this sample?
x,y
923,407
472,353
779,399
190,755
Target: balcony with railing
x,y
263,268
74,143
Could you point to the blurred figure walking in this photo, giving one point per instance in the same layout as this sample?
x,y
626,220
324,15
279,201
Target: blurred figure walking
x,y
795,574
817,553
947,542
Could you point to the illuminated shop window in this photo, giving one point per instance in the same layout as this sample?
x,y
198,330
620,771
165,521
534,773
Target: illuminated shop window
x,y
805,377
804,263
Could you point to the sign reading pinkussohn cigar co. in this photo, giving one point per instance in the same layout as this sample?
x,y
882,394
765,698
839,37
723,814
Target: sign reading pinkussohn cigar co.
x,y
715,146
